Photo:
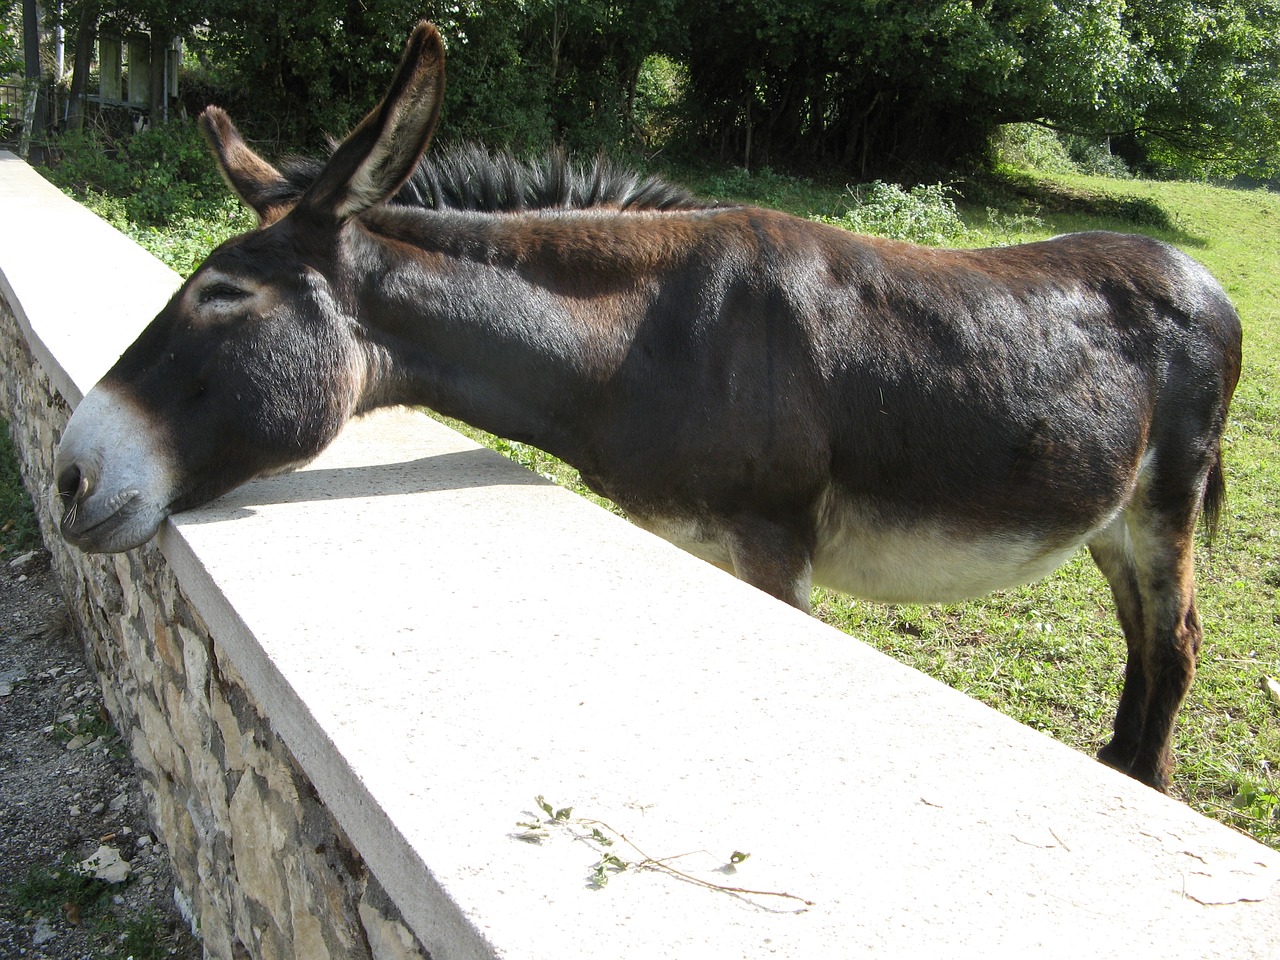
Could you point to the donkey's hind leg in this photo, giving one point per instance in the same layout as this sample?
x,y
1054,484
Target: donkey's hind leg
x,y
1146,556
1111,554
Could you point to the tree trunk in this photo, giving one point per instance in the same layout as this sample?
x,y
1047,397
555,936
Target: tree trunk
x,y
158,108
32,145
86,36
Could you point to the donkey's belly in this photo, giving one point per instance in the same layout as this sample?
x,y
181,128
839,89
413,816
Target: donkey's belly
x,y
925,561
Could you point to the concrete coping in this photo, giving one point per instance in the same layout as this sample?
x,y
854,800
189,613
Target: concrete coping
x,y
439,636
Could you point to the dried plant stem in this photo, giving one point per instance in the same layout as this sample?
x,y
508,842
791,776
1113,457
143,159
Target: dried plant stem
x,y
655,864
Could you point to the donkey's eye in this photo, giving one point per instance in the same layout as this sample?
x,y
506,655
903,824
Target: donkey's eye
x,y
222,293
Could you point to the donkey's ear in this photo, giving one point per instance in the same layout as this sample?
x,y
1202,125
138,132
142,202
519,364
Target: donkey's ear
x,y
380,154
253,180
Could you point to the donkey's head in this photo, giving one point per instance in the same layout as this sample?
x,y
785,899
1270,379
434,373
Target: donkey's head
x,y
258,360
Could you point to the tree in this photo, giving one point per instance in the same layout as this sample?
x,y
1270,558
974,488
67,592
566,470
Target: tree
x,y
10,59
873,85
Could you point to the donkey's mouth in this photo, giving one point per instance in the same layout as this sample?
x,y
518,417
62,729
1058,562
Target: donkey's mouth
x,y
112,474
119,523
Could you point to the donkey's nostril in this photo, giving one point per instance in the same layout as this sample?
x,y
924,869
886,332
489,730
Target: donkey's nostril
x,y
72,484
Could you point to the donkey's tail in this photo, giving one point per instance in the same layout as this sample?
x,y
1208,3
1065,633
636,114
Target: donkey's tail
x,y
1215,497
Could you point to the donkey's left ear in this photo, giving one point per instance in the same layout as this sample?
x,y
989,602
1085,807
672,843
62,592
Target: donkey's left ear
x,y
254,181
380,154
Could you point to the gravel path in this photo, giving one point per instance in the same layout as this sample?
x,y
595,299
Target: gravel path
x,y
68,794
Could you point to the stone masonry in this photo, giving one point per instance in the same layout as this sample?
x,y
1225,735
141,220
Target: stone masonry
x,y
263,871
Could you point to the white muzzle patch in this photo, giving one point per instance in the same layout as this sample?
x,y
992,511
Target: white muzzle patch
x,y
114,478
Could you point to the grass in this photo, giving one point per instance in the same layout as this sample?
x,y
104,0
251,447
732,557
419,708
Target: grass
x,y
82,900
18,529
1051,654
60,890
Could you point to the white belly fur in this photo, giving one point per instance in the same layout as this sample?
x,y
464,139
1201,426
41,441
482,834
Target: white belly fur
x,y
871,557
864,555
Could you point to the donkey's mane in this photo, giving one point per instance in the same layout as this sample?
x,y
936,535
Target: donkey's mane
x,y
469,177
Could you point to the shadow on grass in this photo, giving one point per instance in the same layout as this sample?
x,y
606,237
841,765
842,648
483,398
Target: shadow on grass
x,y
1011,189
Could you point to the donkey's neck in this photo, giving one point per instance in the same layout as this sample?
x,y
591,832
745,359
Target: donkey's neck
x,y
494,320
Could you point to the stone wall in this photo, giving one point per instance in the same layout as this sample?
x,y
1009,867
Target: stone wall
x,y
262,868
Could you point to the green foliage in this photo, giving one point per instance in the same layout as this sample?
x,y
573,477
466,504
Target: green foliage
x,y
1096,159
54,891
91,723
185,241
661,87
923,214
1187,86
873,86
145,936
160,187
10,29
762,186
64,891
521,74
159,176
1030,146
19,531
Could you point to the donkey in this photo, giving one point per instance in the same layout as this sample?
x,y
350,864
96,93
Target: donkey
x,y
790,401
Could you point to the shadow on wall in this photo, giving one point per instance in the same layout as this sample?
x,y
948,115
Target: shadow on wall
x,y
464,469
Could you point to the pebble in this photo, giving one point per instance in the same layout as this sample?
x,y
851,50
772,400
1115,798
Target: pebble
x,y
105,863
22,560
44,932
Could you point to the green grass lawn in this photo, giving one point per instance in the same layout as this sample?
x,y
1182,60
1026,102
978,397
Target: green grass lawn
x,y
1051,654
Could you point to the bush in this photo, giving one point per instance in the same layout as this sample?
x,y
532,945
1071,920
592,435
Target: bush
x,y
924,214
160,187
1096,159
764,186
160,176
1032,147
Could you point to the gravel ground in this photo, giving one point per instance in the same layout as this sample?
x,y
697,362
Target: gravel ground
x,y
68,794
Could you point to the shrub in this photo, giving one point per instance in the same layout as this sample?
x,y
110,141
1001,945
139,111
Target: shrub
x,y
923,214
160,176
1096,159
1029,146
1032,147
